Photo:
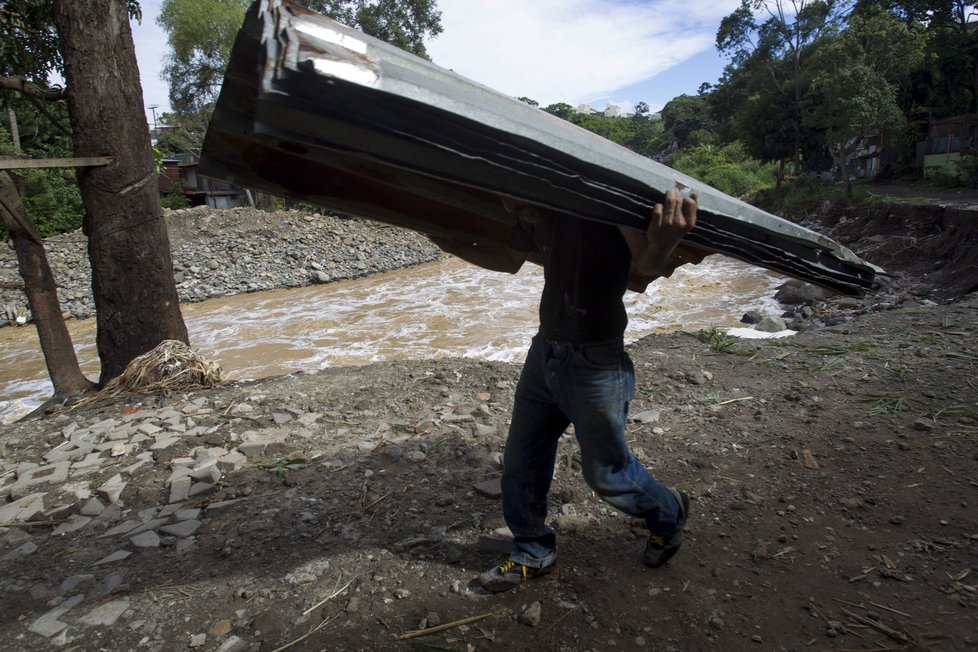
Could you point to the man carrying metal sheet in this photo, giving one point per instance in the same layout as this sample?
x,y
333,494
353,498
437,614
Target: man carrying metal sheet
x,y
577,371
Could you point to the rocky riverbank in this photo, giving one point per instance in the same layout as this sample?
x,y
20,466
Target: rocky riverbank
x,y
221,253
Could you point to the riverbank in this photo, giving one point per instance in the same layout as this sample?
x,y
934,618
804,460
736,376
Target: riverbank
x,y
832,478
218,253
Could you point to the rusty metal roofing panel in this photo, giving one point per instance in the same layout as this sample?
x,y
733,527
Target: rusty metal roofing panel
x,y
316,111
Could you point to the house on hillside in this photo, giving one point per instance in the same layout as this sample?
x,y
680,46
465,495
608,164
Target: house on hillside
x,y
947,141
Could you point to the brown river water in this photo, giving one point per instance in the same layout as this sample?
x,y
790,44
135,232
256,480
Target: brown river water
x,y
446,308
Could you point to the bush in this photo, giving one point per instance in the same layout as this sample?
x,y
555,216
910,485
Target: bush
x,y
174,198
52,200
728,169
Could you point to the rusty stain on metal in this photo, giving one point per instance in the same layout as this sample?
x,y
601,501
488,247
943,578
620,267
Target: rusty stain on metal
x,y
316,111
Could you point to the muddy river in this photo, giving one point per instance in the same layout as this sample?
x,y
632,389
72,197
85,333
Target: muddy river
x,y
442,309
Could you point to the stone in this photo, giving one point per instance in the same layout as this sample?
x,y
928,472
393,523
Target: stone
x,y
208,471
180,489
281,418
771,324
148,539
106,613
233,644
23,509
491,488
118,555
178,472
220,628
532,614
197,640
187,514
152,524
200,488
12,536
39,477
647,416
25,549
120,449
90,461
74,522
122,528
182,529
112,489
232,461
486,430
165,440
49,624
148,428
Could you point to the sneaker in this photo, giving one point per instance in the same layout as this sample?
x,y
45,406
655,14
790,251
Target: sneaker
x,y
661,548
509,575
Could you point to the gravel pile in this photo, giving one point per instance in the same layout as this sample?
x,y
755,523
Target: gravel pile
x,y
224,252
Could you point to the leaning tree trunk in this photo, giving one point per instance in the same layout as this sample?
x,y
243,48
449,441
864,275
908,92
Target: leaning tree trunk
x,y
132,275
42,296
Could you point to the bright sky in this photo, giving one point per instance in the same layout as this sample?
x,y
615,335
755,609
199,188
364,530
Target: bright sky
x,y
575,51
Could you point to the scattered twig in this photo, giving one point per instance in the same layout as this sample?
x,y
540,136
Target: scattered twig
x,y
734,400
890,609
559,620
329,597
878,626
439,628
307,634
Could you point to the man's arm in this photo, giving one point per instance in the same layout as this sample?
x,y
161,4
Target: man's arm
x,y
656,251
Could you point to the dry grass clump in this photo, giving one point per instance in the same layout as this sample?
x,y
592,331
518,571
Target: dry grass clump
x,y
171,367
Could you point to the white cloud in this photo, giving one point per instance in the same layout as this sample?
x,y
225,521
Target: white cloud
x,y
571,50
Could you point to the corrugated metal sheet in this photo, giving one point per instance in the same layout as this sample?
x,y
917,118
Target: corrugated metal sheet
x,y
313,110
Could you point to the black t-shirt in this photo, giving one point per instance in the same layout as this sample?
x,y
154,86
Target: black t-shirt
x,y
585,269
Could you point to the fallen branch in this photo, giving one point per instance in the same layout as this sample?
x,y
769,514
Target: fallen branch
x,y
439,628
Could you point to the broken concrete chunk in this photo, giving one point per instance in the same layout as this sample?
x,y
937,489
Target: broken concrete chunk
x,y
181,529
180,489
38,477
49,624
23,509
93,507
200,488
112,489
107,613
148,539
74,522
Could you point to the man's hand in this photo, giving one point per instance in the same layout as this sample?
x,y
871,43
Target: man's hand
x,y
657,251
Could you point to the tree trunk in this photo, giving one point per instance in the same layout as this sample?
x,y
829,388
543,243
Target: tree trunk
x,y
42,296
132,274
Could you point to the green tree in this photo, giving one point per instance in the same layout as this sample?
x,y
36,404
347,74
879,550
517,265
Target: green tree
x,y
774,52
560,109
200,34
181,131
854,101
685,114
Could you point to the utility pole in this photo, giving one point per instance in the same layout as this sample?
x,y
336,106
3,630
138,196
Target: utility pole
x,y
153,107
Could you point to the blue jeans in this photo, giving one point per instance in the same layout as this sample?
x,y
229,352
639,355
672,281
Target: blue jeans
x,y
591,387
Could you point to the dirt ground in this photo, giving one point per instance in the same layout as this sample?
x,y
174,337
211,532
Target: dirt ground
x,y
832,476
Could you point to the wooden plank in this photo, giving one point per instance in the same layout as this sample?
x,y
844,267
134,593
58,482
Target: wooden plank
x,y
82,162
